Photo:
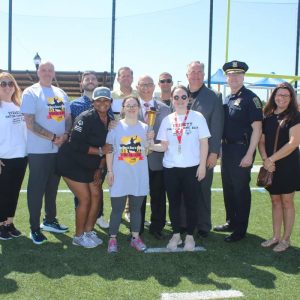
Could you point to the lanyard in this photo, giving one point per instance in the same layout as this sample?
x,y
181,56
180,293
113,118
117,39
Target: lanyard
x,y
179,132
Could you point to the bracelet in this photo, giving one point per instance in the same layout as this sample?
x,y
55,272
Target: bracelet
x,y
54,137
109,171
271,160
100,152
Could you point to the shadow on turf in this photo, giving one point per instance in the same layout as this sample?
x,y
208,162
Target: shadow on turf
x,y
58,258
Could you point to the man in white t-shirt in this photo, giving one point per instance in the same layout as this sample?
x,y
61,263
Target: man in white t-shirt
x,y
47,116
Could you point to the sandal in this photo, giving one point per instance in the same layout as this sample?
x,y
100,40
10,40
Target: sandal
x,y
269,243
282,246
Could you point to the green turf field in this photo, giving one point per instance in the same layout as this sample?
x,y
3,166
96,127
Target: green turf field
x,y
58,270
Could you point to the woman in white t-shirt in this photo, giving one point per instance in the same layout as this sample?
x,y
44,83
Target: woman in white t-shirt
x,y
184,139
13,160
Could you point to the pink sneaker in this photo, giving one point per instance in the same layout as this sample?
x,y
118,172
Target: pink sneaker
x,y
138,244
112,246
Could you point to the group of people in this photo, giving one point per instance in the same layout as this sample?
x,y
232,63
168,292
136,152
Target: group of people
x,y
173,155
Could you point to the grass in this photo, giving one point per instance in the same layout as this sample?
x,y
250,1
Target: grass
x,y
58,270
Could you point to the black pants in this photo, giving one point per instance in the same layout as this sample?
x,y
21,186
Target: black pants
x,y
236,187
157,202
11,178
182,181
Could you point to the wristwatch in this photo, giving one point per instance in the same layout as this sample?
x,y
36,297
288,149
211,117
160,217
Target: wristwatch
x,y
100,151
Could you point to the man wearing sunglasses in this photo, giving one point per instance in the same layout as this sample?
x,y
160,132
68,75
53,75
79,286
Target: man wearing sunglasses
x,y
145,89
47,115
209,103
165,83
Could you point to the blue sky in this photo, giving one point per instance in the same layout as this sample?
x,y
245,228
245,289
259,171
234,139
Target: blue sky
x,y
151,36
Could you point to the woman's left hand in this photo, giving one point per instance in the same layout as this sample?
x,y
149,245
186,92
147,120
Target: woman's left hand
x,y
201,172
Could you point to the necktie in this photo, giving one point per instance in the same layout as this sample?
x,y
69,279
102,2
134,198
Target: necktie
x,y
147,108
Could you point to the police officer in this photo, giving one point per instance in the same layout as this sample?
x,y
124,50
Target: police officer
x,y
242,131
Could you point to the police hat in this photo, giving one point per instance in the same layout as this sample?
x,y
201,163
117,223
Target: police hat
x,y
235,67
102,92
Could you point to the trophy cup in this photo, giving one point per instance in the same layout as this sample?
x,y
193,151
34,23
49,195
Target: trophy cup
x,y
151,116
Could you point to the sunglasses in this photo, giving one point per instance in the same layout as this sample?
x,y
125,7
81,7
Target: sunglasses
x,y
183,97
165,80
4,84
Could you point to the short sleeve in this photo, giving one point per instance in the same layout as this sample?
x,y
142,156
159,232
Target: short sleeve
x,y
28,103
162,132
203,130
255,109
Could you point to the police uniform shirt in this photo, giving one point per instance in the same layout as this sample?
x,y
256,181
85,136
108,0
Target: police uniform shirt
x,y
241,110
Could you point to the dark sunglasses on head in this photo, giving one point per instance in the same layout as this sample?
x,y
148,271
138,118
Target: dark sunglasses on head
x,y
165,80
183,97
4,84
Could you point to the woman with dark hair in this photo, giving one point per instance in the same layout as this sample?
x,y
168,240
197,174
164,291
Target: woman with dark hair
x,y
184,139
80,161
127,172
13,157
281,110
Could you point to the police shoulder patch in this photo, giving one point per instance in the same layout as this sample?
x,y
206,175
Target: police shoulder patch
x,y
257,102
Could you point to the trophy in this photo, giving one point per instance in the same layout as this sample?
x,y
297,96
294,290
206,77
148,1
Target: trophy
x,y
151,116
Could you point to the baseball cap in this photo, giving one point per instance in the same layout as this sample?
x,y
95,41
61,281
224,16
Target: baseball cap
x,y
102,92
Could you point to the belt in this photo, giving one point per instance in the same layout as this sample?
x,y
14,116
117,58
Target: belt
x,y
226,141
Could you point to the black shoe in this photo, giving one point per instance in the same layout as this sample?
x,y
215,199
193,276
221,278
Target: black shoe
x,y
203,233
13,231
223,228
4,234
158,235
37,237
233,238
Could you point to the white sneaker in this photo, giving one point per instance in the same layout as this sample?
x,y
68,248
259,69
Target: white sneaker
x,y
101,222
174,242
93,236
127,216
189,243
83,241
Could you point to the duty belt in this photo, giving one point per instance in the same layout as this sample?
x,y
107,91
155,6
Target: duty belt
x,y
226,141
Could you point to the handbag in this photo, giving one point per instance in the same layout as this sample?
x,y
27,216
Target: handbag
x,y
264,177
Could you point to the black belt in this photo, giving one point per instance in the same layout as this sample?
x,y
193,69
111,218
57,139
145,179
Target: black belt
x,y
226,141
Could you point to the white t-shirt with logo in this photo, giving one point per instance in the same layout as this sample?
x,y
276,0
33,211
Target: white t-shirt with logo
x,y
12,131
194,130
49,106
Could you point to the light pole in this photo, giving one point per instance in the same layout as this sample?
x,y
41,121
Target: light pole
x,y
37,61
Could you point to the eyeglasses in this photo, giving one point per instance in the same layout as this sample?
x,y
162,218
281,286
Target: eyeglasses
x,y
183,97
283,96
4,84
131,106
169,80
146,85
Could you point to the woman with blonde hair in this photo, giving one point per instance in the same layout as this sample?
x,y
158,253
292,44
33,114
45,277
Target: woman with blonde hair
x,y
13,160
281,111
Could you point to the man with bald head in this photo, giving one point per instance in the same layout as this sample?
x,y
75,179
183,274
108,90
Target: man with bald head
x,y
145,89
48,119
209,103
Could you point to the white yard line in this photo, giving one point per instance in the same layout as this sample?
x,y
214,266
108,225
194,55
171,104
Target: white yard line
x,y
202,295
179,249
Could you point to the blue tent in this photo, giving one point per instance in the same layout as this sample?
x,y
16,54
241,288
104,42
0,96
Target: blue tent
x,y
218,78
267,82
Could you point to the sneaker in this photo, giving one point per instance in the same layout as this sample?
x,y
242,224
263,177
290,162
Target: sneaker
x,y
93,236
101,223
4,234
127,216
83,241
12,230
37,237
138,244
112,245
174,242
54,226
189,243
